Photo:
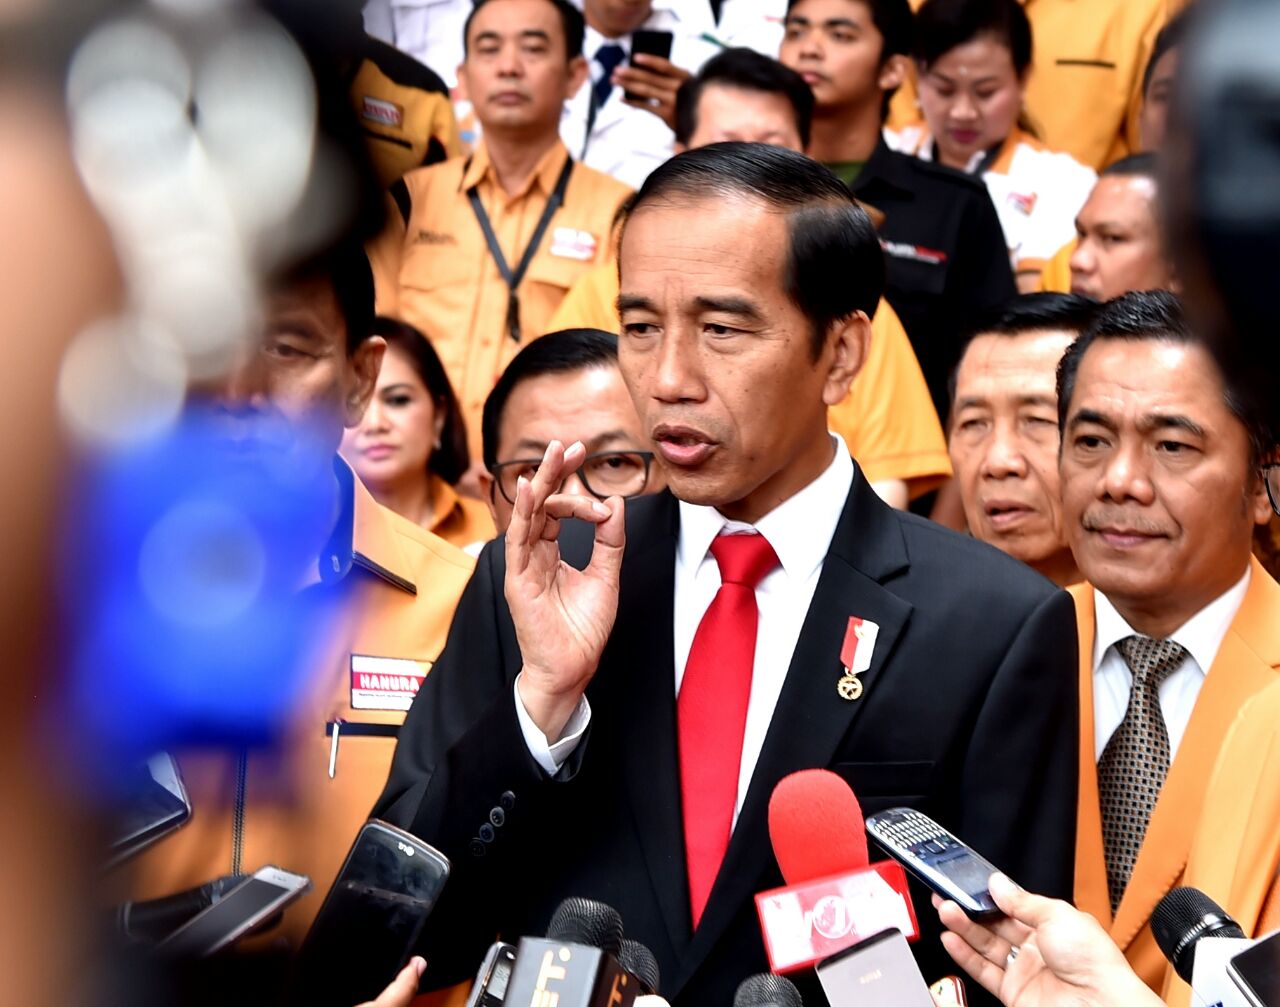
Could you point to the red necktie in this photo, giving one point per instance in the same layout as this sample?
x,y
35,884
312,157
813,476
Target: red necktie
x,y
712,708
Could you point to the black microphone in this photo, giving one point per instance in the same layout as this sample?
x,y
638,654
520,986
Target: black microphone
x,y
1184,917
576,964
640,962
767,990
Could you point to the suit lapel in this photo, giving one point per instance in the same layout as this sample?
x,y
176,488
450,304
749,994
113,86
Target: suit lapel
x,y
1092,894
811,719
1238,673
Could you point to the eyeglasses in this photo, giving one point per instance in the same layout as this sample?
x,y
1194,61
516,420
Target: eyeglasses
x,y
604,474
1271,476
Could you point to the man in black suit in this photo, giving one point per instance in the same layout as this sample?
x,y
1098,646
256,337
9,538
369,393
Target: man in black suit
x,y
552,751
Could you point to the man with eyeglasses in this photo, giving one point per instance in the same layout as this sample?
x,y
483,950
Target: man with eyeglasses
x,y
565,386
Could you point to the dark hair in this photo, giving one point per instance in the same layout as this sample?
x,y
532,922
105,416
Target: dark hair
x,y
1143,165
750,71
1158,315
896,24
834,264
941,25
1027,313
555,353
571,21
452,458
1172,35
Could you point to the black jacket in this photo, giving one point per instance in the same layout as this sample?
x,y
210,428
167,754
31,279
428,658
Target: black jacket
x,y
969,714
945,252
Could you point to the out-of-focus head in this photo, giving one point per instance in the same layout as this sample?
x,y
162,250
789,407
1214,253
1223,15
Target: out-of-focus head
x,y
523,61
1003,435
849,52
1157,82
615,18
1120,246
973,58
741,95
1160,467
566,387
748,275
412,426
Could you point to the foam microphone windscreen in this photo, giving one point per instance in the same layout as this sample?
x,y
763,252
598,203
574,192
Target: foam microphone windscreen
x,y
816,825
640,962
1184,917
586,921
767,990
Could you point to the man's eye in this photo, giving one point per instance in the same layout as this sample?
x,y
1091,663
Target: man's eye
x,y
639,328
1089,442
717,329
285,351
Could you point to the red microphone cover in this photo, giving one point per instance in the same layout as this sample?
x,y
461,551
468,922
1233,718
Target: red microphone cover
x,y
816,826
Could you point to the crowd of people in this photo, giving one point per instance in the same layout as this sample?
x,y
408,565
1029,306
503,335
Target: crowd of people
x,y
663,367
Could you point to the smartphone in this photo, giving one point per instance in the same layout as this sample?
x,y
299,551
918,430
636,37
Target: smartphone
x,y
651,43
250,903
937,858
371,918
155,803
1256,972
490,987
949,990
880,969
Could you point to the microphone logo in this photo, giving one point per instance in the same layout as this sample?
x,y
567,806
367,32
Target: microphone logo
x,y
830,917
549,972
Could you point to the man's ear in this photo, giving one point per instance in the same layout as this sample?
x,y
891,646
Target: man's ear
x,y
579,70
489,491
364,363
893,72
1258,500
850,343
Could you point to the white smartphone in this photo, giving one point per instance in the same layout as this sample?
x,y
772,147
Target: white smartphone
x,y
250,903
880,969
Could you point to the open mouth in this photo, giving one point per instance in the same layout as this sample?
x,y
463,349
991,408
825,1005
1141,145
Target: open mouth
x,y
682,446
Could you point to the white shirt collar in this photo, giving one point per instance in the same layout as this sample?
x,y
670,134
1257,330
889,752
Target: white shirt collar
x,y
592,40
799,529
1201,635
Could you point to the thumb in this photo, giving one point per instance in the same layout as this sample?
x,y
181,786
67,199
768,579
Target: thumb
x,y
1019,904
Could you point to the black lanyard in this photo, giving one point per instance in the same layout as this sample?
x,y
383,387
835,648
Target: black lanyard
x,y
500,260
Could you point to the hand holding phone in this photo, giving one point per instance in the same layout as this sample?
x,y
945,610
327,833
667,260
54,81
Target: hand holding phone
x,y
251,903
650,80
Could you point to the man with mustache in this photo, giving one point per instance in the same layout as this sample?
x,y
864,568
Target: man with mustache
x,y
622,693
1162,486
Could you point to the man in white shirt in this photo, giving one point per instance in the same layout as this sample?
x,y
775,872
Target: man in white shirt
x,y
1162,486
616,726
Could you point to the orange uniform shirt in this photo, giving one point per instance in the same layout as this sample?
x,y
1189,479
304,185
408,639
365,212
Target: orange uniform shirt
x,y
434,270
887,420
1056,275
399,587
459,520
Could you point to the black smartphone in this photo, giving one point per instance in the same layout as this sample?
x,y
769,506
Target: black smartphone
x,y
1256,972
371,918
155,803
937,858
490,987
251,903
651,43
880,969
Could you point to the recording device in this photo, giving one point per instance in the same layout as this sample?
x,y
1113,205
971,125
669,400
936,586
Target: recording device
x,y
371,918
576,964
651,43
490,987
877,972
1198,938
833,897
252,902
1256,972
767,990
154,803
943,863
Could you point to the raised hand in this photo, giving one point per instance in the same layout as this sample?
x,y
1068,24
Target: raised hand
x,y
563,617
655,81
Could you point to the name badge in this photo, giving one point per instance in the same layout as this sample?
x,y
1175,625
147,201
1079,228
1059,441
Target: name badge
x,y
570,243
384,113
385,683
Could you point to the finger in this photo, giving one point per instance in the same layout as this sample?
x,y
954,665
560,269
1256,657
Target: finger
x,y
646,89
404,987
661,66
610,543
983,938
983,972
517,540
564,505
1019,904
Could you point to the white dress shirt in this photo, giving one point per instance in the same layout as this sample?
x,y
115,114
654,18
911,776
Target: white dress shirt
x,y
428,30
1201,636
800,530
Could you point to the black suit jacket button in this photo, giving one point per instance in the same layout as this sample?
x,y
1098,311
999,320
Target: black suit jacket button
x,y
486,833
507,800
497,817
477,848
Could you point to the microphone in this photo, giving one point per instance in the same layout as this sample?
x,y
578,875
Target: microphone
x,y
1199,938
833,897
640,962
767,990
576,964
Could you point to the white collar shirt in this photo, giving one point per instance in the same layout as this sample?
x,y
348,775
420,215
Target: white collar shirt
x,y
800,530
1201,636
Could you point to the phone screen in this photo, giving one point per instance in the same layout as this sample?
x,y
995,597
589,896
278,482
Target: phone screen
x,y
371,918
1257,971
225,920
155,802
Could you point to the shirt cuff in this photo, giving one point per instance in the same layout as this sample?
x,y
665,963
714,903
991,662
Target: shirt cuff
x,y
552,757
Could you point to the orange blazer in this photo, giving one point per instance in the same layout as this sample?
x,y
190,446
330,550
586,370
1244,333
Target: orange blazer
x,y
1247,662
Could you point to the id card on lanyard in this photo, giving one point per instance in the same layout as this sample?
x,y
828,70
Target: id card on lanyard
x,y
513,278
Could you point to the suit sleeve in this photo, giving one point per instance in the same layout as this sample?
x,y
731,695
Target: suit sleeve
x,y
1019,778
